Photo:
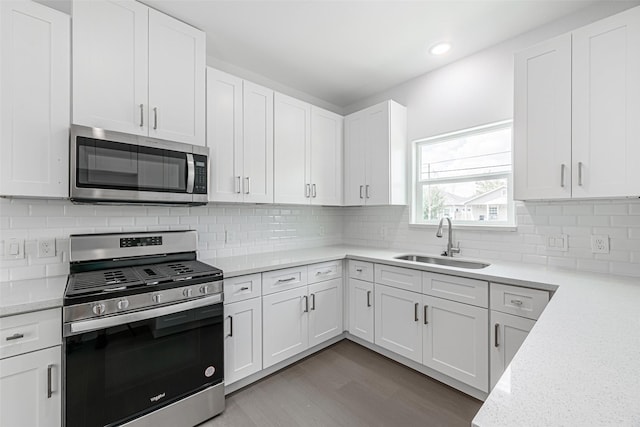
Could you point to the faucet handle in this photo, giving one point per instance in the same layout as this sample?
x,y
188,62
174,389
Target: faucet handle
x,y
455,250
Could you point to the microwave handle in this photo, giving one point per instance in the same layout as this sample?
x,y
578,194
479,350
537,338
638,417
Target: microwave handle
x,y
191,172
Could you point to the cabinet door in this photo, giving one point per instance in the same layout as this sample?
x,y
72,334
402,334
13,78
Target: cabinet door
x,y
397,321
542,121
354,159
243,339
508,332
258,144
291,150
376,147
34,100
285,325
176,80
455,340
110,59
26,399
224,136
361,309
325,311
326,157
606,107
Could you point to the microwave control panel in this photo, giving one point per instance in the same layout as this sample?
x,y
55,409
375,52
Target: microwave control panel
x,y
200,181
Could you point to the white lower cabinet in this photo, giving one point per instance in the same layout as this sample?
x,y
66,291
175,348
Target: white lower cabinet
x,y
455,340
30,393
243,339
508,332
361,300
325,311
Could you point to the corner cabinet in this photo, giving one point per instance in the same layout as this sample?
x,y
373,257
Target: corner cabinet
x,y
34,100
240,136
375,164
577,103
138,71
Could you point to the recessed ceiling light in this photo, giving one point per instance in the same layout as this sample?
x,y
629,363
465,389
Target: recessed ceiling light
x,y
440,48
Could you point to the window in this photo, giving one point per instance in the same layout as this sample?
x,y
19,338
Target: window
x,y
466,176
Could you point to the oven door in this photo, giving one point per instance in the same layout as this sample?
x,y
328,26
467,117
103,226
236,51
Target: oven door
x,y
120,372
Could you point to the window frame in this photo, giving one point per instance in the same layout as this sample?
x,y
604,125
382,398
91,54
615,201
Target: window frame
x,y
417,200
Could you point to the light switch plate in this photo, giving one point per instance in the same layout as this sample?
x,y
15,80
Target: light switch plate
x,y
13,249
558,242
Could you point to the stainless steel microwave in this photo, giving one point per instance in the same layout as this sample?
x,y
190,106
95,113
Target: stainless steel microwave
x,y
114,167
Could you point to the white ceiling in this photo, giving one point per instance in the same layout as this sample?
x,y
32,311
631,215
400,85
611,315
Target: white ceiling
x,y
344,51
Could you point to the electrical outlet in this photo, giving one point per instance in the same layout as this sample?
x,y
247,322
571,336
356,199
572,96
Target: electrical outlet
x,y
600,244
558,242
13,249
229,236
46,248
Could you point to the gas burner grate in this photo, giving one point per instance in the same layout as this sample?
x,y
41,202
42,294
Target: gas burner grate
x,y
185,268
102,280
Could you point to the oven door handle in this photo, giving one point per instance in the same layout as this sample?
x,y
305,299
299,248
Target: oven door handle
x,y
191,172
82,326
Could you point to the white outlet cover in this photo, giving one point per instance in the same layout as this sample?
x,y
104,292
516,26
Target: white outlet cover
x,y
46,248
600,244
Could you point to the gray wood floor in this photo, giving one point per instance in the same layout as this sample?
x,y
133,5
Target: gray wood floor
x,y
347,385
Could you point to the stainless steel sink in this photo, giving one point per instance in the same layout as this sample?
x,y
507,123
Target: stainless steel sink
x,y
443,261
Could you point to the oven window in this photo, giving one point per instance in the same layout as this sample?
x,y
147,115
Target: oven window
x,y
113,165
119,373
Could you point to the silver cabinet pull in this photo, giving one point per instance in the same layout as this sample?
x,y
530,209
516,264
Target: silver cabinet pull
x,y
495,332
306,304
286,280
580,173
322,272
307,190
368,298
366,191
359,270
238,184
361,188
155,118
244,288
562,168
49,381
248,181
415,311
313,301
15,336
141,115
426,322
313,190
516,302
191,172
230,326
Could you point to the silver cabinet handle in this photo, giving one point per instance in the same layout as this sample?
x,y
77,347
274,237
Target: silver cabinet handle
x,y
516,302
415,311
306,304
366,191
141,115
238,184
15,336
322,272
368,298
307,190
155,118
248,181
580,173
562,168
361,188
426,322
191,172
244,288
313,302
230,326
286,280
495,332
313,190
49,381
359,270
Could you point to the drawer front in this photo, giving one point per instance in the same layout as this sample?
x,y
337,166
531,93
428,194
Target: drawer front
x,y
325,271
361,270
460,289
523,302
242,288
27,332
398,277
281,280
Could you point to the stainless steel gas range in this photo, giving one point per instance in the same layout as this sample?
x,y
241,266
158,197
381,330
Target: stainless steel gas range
x,y
143,332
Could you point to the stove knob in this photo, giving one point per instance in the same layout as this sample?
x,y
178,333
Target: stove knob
x,y
123,304
99,309
157,298
204,289
187,293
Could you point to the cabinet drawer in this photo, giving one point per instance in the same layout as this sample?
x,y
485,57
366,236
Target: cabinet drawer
x,y
361,270
242,288
280,280
468,291
398,277
325,271
523,302
27,332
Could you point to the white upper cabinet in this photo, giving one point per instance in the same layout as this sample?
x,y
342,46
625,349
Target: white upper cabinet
x,y
577,103
375,166
240,136
138,71
325,175
34,100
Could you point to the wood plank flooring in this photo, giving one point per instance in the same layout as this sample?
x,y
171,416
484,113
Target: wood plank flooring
x,y
347,385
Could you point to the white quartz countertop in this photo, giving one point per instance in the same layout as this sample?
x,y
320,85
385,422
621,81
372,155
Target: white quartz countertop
x,y
580,365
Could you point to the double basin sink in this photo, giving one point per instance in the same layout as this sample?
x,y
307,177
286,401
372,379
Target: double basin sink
x,y
449,262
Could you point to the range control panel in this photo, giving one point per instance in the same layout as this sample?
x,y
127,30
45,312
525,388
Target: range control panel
x,y
130,242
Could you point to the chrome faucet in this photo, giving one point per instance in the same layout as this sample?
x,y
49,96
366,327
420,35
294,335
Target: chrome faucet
x,y
450,249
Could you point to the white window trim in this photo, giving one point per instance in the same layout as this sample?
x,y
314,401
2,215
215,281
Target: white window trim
x,y
416,199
